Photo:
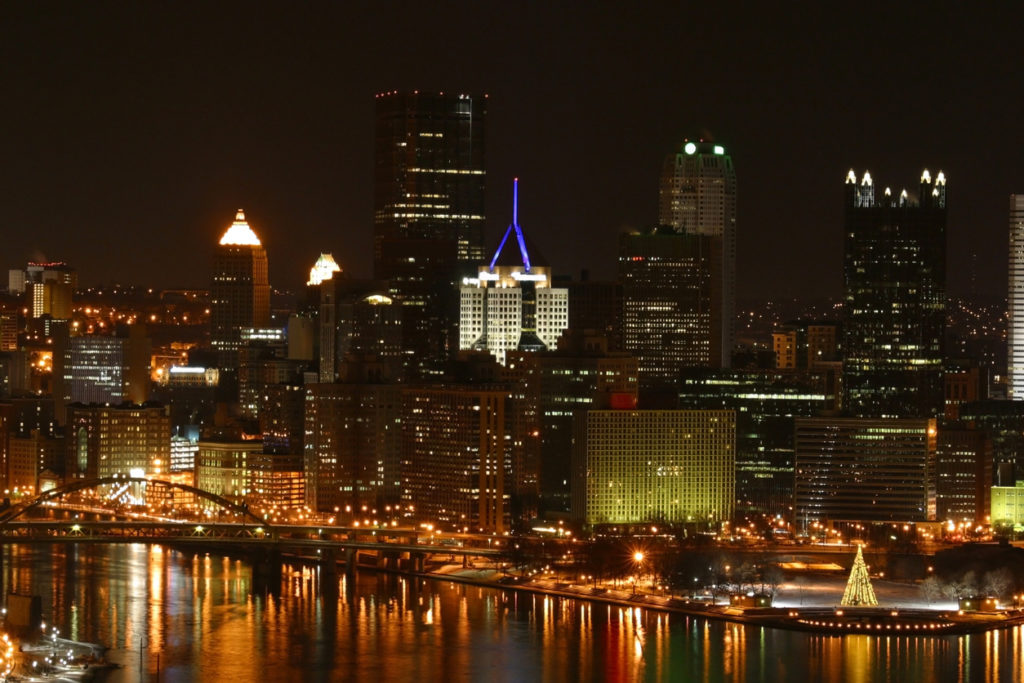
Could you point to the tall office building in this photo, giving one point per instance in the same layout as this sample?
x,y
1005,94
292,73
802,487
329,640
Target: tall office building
x,y
669,315
766,403
894,272
639,466
48,288
853,469
963,476
429,180
240,290
510,305
358,319
456,456
122,440
1015,329
352,445
580,375
110,370
698,197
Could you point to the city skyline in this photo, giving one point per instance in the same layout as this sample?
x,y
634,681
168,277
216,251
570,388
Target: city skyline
x,y
160,123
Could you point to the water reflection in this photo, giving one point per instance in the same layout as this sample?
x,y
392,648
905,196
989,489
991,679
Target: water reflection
x,y
205,618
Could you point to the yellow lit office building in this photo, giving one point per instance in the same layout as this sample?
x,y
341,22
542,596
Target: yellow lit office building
x,y
656,465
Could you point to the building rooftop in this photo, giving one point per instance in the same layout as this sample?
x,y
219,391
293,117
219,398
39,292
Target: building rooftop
x,y
240,233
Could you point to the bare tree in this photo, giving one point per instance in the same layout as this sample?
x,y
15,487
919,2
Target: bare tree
x,y
998,582
773,578
963,587
932,588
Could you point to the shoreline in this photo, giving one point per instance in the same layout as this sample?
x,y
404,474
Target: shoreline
x,y
831,621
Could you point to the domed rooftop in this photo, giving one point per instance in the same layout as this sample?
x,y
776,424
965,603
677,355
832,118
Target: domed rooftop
x,y
240,233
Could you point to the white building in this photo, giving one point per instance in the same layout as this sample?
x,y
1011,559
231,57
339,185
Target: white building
x,y
511,304
1015,341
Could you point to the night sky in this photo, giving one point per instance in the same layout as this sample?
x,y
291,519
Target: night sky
x,y
132,131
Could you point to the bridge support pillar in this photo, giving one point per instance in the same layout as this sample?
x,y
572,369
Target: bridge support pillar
x,y
329,572
266,571
329,562
351,557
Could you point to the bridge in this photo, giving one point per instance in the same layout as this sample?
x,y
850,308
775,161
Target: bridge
x,y
385,547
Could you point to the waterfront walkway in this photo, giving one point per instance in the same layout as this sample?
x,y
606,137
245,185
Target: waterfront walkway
x,y
819,613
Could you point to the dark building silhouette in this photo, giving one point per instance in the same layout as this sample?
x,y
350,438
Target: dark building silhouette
x,y
670,319
429,181
894,272
963,481
595,305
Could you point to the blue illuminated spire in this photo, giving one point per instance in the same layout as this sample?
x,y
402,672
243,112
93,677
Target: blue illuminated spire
x,y
514,226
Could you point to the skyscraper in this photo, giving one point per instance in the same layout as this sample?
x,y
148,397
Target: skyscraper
x,y
429,181
510,304
1015,329
240,291
641,466
698,197
894,272
856,469
669,317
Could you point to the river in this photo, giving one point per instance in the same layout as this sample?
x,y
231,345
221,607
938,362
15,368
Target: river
x,y
199,618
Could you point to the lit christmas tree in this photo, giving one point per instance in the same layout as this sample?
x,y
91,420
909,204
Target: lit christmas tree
x,y
859,592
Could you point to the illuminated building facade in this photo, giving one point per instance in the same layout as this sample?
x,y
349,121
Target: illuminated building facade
x,y
239,291
122,440
860,469
352,446
670,319
963,481
110,370
276,479
429,181
456,459
656,465
894,272
183,454
698,197
8,330
580,375
1015,328
766,404
31,457
222,467
511,304
48,288
804,344
1008,505
1003,423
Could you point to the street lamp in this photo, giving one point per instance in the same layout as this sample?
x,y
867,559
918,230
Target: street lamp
x,y
638,558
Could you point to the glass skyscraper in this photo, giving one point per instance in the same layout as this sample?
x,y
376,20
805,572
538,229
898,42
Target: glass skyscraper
x,y
429,181
894,272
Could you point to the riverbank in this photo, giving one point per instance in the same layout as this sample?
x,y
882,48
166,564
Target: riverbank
x,y
892,619
60,659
